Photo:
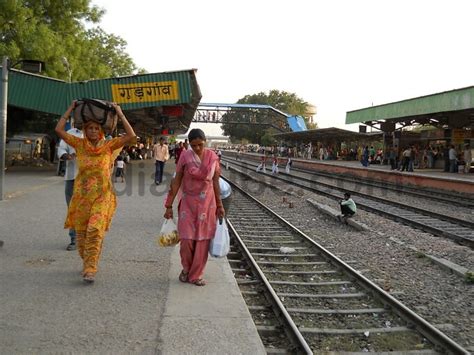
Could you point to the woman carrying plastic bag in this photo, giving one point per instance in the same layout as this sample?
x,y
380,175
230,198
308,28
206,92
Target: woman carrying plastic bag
x,y
197,175
220,245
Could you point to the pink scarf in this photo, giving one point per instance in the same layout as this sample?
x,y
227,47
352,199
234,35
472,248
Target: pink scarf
x,y
202,171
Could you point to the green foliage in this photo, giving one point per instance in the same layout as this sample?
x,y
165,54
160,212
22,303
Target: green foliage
x,y
54,31
50,30
420,255
469,277
259,120
267,139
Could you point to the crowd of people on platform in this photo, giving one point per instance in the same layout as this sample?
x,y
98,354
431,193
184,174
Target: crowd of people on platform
x,y
406,158
412,156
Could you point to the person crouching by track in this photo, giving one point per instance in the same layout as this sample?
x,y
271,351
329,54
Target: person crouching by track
x,y
348,208
93,202
197,174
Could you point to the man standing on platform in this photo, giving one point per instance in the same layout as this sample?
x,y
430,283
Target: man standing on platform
x,y
467,158
452,159
446,158
161,154
392,155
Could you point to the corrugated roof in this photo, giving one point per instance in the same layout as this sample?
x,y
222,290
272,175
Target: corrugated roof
x,y
447,101
36,92
150,101
326,134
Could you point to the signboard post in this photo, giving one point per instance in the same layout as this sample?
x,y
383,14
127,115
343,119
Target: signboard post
x,y
3,123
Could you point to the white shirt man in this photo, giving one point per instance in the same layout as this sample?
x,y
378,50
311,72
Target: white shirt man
x,y
161,154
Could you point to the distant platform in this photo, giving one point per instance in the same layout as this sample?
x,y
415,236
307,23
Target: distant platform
x,y
428,178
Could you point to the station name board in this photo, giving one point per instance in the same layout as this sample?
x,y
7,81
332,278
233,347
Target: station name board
x,y
145,92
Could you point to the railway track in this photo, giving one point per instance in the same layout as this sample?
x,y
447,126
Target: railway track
x,y
459,230
322,303
427,193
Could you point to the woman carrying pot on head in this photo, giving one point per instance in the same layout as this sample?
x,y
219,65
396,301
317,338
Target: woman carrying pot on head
x,y
197,174
93,202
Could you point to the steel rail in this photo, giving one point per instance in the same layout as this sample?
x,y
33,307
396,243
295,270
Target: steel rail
x,y
424,327
295,333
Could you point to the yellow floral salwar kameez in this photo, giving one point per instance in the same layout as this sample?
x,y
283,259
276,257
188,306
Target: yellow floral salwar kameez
x,y
93,202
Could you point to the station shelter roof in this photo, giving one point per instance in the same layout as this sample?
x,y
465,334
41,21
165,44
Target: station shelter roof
x,y
454,109
328,135
151,102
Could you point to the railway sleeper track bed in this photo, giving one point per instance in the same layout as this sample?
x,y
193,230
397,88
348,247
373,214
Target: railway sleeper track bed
x,y
460,231
304,299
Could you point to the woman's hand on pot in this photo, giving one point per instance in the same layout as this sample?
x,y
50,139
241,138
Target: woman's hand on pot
x,y
117,108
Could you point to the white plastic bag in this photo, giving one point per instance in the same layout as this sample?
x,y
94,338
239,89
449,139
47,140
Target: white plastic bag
x,y
168,236
220,245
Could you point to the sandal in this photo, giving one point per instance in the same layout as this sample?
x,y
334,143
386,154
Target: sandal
x,y
199,282
183,277
88,277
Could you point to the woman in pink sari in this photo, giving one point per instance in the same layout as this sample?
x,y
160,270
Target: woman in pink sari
x,y
197,174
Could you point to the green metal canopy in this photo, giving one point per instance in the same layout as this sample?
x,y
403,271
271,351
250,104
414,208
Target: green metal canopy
x,y
151,101
454,108
326,135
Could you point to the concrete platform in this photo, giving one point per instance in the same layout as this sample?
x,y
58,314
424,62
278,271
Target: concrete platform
x,y
207,320
136,306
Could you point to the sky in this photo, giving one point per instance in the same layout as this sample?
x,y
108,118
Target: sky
x,y
338,55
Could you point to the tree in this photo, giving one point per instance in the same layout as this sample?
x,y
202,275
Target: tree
x,y
54,31
283,101
267,140
50,30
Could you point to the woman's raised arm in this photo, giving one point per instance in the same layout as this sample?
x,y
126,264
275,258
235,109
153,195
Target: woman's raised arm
x,y
60,127
129,132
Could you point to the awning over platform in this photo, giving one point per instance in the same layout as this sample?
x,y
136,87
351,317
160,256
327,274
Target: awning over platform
x,y
453,108
152,102
327,134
